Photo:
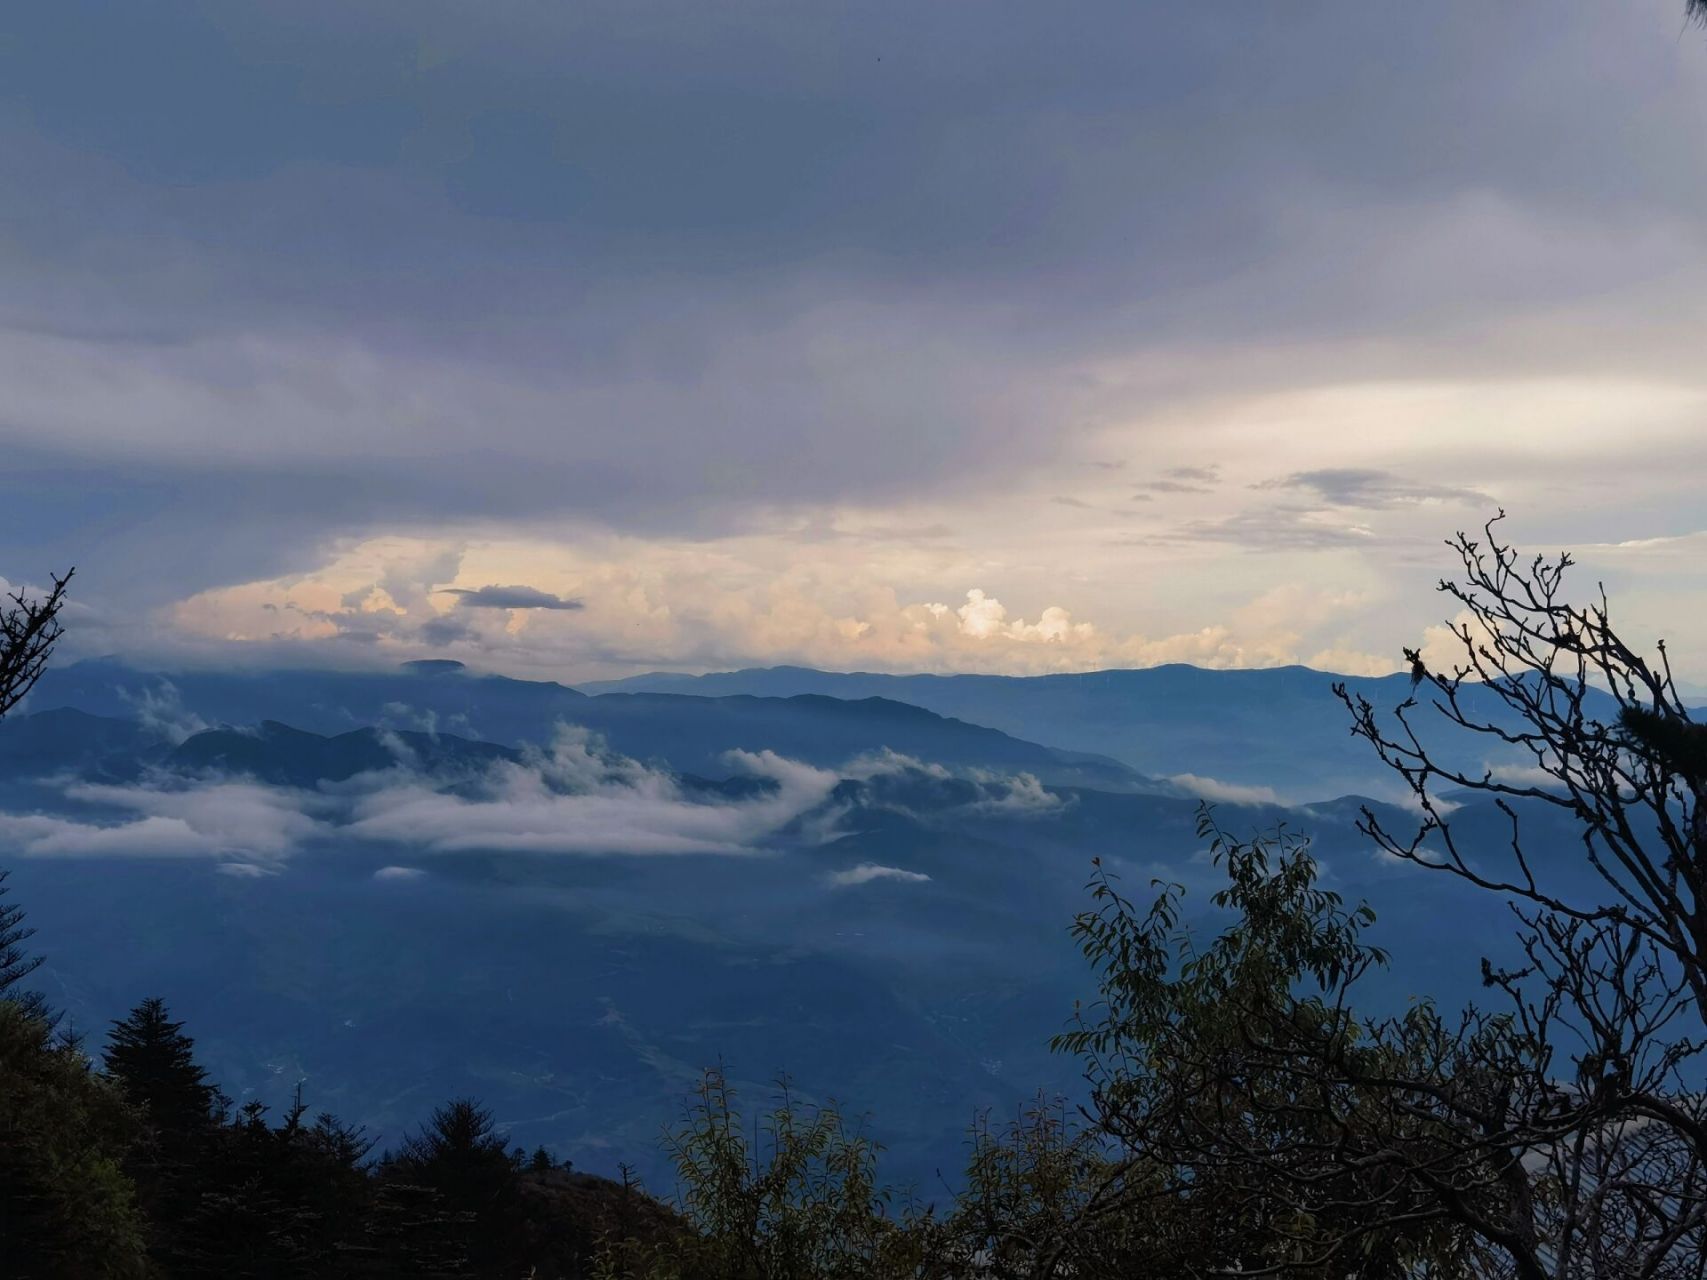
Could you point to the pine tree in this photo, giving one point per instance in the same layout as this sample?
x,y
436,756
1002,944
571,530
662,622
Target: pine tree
x,y
460,1156
29,629
16,964
153,1061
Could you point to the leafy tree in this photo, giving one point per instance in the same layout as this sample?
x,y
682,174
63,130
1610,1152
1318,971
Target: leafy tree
x,y
1036,1203
1241,1103
1254,1122
66,1205
800,1201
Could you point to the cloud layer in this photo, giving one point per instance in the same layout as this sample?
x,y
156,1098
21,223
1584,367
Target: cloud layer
x,y
577,798
1121,319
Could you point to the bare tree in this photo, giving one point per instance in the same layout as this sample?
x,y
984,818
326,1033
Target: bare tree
x,y
1255,1123
1605,1115
29,629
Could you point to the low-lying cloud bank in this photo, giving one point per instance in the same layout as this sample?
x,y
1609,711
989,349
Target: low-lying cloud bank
x,y
217,819
866,872
574,799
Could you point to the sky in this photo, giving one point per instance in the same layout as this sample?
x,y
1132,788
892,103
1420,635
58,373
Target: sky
x,y
575,340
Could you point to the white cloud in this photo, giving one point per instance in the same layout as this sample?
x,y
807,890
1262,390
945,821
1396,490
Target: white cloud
x,y
832,602
866,872
399,873
577,799
574,799
1018,796
1225,792
43,836
221,819
159,707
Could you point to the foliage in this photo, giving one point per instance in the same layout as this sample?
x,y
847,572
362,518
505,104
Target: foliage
x,y
1238,1095
799,1200
1605,1118
66,1204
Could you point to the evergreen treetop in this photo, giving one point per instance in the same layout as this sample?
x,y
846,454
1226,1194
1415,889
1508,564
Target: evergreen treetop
x,y
153,1061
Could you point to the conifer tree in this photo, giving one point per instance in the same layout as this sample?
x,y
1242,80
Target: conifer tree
x,y
29,630
16,964
153,1061
459,1155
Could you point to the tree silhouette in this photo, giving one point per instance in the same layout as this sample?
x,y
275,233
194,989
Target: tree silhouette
x,y
460,1158
154,1063
1596,1059
66,1206
29,629
16,964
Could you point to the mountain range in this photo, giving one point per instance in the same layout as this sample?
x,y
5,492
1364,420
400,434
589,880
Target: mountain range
x,y
399,886
1281,729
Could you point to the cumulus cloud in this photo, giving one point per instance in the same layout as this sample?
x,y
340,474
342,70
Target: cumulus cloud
x,y
866,872
399,873
709,604
216,335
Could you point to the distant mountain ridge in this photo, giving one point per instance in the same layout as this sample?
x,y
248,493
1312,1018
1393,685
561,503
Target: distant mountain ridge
x,y
894,935
688,733
1275,728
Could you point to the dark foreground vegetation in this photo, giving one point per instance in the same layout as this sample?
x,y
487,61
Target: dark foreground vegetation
x,y
1244,1117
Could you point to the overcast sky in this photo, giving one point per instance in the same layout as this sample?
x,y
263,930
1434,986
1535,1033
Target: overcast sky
x,y
571,339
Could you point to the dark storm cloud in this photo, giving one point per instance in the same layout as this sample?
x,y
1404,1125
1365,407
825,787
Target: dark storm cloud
x,y
439,632
1280,528
1372,489
1181,480
277,275
517,597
